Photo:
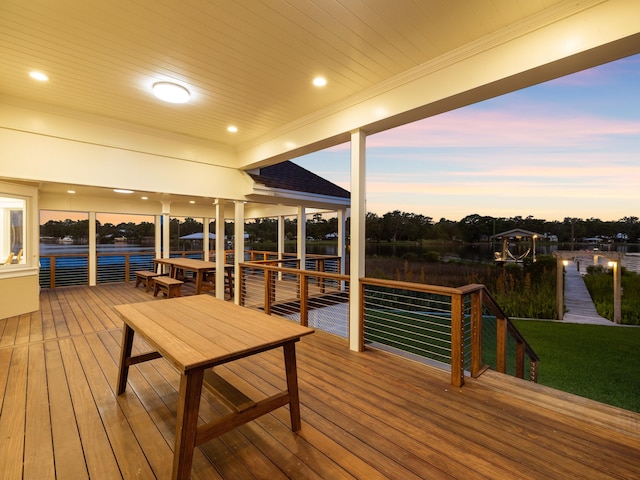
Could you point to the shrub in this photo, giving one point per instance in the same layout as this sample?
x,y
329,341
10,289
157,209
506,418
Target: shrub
x,y
431,257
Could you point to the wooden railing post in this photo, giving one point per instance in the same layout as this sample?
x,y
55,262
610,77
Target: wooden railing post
x,y
52,272
321,268
533,371
267,291
304,297
457,341
127,267
476,333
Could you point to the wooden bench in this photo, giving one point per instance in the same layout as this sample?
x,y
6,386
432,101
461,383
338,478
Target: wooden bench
x,y
167,285
210,277
145,278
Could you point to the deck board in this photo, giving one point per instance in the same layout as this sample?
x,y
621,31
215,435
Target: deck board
x,y
369,415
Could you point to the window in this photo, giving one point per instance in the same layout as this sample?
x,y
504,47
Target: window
x,y
12,231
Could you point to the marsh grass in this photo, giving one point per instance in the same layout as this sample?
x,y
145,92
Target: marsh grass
x,y
526,291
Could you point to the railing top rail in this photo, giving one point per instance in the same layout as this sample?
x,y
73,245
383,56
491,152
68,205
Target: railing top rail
x,y
419,287
272,261
295,271
293,255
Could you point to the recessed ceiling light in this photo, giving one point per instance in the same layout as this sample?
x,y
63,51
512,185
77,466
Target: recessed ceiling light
x,y
41,77
319,81
144,198
171,92
122,190
192,201
232,129
71,191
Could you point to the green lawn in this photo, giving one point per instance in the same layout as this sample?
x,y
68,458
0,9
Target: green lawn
x,y
593,361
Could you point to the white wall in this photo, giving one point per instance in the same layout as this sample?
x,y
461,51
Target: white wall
x,y
19,284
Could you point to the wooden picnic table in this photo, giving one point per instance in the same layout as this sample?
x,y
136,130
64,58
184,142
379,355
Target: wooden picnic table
x,y
201,268
195,334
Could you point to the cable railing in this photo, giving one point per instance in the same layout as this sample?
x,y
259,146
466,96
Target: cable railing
x,y
310,297
61,270
445,326
462,329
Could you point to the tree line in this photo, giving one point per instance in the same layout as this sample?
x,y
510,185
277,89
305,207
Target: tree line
x,y
390,227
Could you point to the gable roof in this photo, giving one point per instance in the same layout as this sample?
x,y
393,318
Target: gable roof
x,y
517,232
289,176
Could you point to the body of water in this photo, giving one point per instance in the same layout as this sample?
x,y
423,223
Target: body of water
x,y
480,252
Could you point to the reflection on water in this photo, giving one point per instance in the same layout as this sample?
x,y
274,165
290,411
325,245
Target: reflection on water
x,y
479,252
472,252
53,249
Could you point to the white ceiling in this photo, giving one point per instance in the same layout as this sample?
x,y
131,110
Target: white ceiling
x,y
249,63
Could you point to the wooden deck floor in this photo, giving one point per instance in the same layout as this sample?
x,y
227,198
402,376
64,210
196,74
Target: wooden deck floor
x,y
365,415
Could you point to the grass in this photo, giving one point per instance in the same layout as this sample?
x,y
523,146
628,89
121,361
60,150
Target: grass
x,y
594,361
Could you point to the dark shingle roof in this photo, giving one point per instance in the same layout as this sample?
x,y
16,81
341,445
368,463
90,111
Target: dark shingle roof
x,y
289,176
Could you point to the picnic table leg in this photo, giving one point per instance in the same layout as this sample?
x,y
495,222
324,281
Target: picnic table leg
x,y
125,354
292,384
186,423
199,275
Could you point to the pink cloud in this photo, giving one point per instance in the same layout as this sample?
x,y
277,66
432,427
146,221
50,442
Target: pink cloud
x,y
476,128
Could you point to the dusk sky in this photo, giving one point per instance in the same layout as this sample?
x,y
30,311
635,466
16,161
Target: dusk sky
x,y
565,148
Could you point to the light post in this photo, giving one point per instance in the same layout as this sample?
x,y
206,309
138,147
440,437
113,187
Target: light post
x,y
617,291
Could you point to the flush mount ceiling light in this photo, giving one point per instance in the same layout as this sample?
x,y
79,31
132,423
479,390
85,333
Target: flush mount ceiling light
x,y
171,92
232,129
319,81
41,77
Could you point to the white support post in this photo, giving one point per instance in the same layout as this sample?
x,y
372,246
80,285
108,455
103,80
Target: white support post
x,y
342,239
205,239
239,247
302,237
158,236
357,255
93,256
166,238
342,244
281,238
221,257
